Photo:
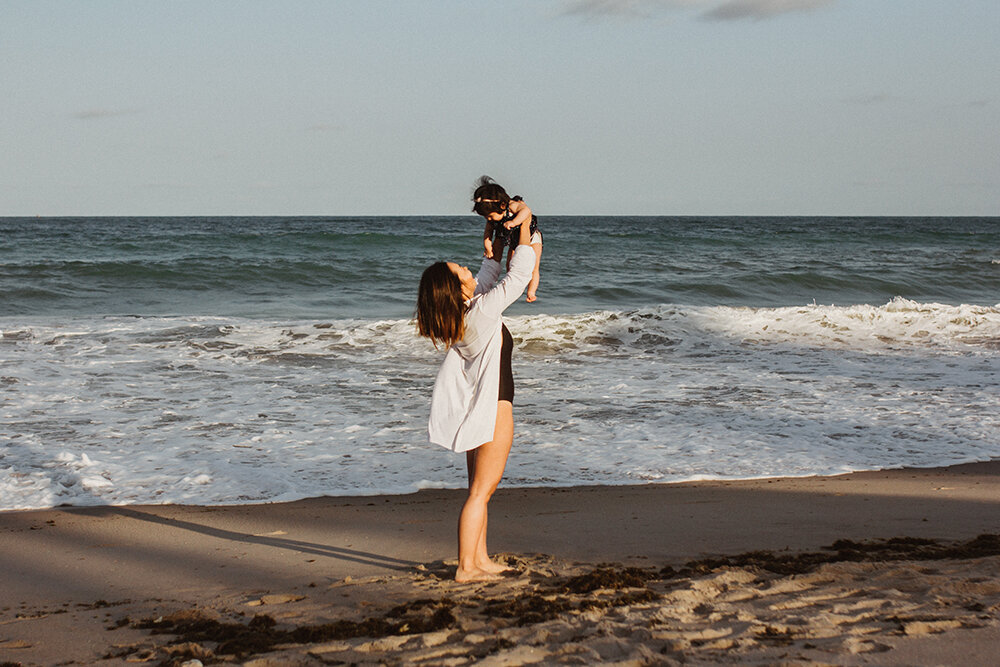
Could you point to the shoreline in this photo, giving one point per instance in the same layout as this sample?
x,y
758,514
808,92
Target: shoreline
x,y
458,487
70,571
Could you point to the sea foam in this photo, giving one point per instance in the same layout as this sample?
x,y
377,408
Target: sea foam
x,y
124,410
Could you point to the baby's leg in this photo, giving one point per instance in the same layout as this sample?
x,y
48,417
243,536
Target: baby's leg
x,y
535,275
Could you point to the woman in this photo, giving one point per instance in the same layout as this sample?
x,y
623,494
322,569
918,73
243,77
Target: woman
x,y
472,406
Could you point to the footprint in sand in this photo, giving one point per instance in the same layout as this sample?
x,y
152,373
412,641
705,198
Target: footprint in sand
x,y
280,598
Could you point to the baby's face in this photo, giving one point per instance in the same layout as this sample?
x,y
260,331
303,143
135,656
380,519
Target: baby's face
x,y
494,217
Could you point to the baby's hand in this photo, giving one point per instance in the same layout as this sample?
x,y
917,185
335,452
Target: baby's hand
x,y
487,249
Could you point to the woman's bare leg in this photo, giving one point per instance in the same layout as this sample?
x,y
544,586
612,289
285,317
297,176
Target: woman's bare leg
x,y
482,558
486,465
535,275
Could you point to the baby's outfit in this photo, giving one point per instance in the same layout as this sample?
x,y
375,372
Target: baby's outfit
x,y
503,237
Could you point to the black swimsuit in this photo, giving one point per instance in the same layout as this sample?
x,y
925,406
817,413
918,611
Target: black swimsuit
x,y
503,237
506,374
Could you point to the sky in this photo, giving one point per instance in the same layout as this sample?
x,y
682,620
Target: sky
x,y
584,107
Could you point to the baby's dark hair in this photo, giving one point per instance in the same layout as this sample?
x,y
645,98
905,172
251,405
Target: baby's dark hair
x,y
489,197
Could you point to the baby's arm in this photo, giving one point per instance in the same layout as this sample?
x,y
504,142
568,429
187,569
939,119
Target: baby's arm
x,y
521,213
488,241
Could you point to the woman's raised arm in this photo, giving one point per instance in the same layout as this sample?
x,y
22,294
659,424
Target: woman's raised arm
x,y
509,290
488,274
524,216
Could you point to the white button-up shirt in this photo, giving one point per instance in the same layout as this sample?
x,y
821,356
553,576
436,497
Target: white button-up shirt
x,y
464,403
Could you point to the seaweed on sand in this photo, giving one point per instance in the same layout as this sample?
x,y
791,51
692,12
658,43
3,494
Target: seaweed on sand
x,y
261,634
874,551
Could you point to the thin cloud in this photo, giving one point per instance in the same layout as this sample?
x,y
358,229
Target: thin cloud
x,y
325,127
868,100
628,8
875,184
757,10
167,185
971,185
876,99
711,10
90,114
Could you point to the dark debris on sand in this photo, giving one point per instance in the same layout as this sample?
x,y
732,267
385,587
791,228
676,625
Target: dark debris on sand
x,y
576,593
261,634
875,551
609,577
545,598
527,609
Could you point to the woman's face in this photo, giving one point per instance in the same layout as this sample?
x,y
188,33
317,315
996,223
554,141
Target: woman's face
x,y
465,277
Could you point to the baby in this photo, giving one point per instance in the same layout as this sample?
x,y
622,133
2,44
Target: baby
x,y
504,215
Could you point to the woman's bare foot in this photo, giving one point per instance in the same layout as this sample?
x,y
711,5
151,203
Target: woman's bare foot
x,y
492,567
469,576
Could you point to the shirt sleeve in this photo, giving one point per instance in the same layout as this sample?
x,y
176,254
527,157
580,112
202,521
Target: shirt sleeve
x,y
487,276
507,291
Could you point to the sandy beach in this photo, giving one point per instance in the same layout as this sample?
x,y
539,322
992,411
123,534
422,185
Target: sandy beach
x,y
790,571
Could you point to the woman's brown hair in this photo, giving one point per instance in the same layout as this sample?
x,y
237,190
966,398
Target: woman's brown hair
x,y
440,306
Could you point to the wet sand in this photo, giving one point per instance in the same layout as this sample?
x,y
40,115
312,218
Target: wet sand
x,y
651,574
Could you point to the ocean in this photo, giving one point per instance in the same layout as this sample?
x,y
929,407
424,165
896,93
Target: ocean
x,y
242,360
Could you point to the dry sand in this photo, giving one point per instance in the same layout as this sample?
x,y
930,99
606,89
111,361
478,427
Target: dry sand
x,y
626,575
